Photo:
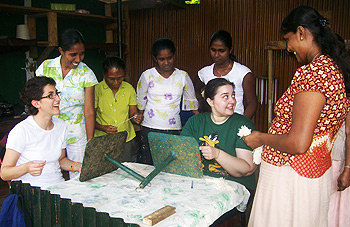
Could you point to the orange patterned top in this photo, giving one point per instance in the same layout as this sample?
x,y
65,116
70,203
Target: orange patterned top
x,y
323,76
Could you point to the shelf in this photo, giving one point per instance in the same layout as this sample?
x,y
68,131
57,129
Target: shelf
x,y
10,45
40,12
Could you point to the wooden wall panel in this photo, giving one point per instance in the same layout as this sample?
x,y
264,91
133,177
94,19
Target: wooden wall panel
x,y
251,24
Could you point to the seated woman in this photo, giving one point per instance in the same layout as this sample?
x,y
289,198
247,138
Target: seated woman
x,y
35,148
225,153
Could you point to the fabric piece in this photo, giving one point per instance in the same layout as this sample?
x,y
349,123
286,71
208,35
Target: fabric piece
x,y
114,109
116,193
224,137
160,98
76,152
10,215
338,151
284,198
339,205
236,76
72,89
323,76
34,143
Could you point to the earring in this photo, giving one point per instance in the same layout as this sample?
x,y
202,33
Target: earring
x,y
301,38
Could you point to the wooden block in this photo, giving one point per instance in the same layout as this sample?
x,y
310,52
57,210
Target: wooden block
x,y
159,215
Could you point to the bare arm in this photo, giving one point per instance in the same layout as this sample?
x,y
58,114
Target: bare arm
x,y
239,166
307,108
89,112
66,164
344,178
10,171
134,112
250,100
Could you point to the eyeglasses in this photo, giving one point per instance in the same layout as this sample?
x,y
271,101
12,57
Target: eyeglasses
x,y
52,95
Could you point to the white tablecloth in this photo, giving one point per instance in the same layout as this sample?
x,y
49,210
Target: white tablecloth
x,y
116,194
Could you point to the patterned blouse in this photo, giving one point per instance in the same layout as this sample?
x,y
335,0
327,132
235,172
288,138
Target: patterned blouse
x,y
73,94
160,98
323,76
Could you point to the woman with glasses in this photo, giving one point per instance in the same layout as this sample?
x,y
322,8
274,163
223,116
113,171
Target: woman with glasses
x,y
115,105
35,148
76,82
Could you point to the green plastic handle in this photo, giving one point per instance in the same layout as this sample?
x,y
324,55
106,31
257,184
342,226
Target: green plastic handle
x,y
123,167
159,168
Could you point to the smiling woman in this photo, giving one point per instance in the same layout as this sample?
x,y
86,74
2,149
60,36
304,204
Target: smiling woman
x,y
296,158
76,82
35,149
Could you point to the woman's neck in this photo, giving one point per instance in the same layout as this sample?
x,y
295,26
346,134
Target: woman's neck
x,y
165,74
218,119
223,69
44,122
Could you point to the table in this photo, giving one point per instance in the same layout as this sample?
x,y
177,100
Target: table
x,y
117,194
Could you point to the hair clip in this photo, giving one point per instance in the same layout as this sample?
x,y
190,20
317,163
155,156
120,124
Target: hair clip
x,y
202,93
324,22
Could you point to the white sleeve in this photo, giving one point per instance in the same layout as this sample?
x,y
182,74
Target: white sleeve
x,y
16,140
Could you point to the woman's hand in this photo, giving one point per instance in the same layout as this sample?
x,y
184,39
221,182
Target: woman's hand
x,y
253,140
209,152
35,167
138,118
344,180
109,128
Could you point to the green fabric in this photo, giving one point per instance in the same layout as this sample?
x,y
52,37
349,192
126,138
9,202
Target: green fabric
x,y
111,112
226,139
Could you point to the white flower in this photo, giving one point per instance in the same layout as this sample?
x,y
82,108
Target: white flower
x,y
245,131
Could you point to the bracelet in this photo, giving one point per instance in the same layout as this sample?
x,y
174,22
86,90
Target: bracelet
x,y
72,166
347,167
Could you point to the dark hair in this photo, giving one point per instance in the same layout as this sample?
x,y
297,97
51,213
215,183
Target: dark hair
x,y
210,90
34,90
162,44
329,42
226,39
69,38
111,62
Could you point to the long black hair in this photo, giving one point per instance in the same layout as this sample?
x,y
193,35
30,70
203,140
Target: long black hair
x,y
209,91
226,38
112,62
162,44
69,38
331,44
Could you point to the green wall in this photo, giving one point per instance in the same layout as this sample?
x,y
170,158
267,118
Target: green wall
x,y
12,77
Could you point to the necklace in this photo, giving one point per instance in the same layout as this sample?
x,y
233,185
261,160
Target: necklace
x,y
225,71
316,56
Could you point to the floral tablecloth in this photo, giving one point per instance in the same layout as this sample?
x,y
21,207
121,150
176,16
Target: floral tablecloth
x,y
198,201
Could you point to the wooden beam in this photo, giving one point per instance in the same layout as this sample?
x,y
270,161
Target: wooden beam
x,y
275,45
159,215
52,28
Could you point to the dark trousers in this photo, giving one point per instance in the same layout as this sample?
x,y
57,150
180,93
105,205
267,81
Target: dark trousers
x,y
144,155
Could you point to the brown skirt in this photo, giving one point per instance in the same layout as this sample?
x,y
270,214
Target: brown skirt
x,y
285,199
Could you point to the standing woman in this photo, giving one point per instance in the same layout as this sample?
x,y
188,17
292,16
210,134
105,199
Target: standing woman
x,y
225,65
159,92
295,175
75,80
